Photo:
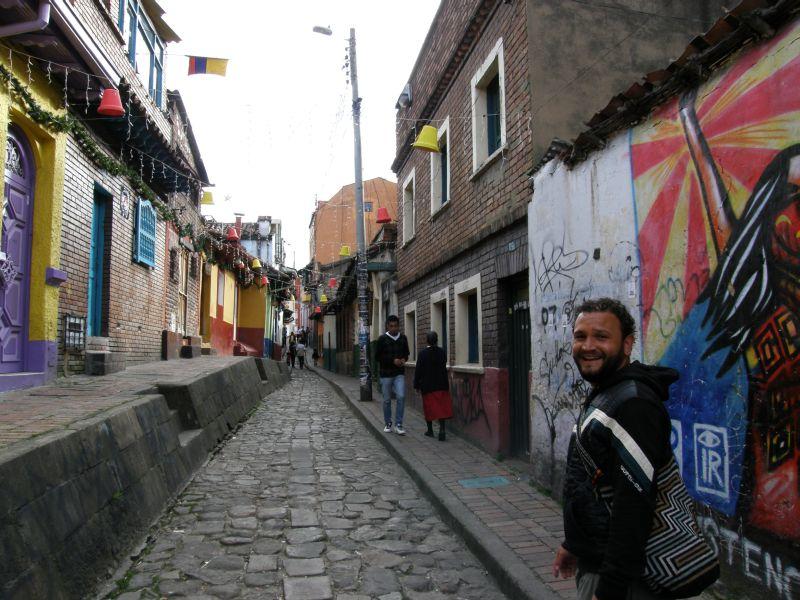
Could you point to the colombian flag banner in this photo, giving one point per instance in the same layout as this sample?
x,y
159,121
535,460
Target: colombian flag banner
x,y
211,66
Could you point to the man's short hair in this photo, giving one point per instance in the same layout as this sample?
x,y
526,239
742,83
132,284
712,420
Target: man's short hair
x,y
392,319
609,305
432,338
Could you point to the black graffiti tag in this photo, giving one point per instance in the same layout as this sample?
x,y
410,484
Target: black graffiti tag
x,y
555,265
468,400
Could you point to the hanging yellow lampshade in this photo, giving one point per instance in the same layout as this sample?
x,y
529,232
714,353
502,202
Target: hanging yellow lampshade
x,y
427,139
306,298
345,251
208,198
323,298
256,264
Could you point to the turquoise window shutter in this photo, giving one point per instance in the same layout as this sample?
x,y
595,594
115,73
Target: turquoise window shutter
x,y
145,235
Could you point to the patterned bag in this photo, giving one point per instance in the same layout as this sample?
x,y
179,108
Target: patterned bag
x,y
679,562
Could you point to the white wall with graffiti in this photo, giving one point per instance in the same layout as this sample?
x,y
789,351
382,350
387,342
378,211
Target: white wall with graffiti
x,y
693,219
582,244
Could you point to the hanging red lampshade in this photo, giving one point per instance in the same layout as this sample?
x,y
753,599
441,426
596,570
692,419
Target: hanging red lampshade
x,y
264,280
332,282
232,235
110,104
317,310
383,215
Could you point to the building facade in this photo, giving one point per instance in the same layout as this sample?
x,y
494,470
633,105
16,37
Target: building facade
x,y
485,78
333,223
106,259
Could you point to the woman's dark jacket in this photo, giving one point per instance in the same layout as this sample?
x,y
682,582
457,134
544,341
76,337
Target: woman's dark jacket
x,y
430,374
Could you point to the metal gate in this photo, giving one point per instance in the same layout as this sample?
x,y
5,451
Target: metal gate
x,y
520,364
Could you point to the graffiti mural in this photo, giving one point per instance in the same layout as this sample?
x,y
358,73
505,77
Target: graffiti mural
x,y
468,404
716,185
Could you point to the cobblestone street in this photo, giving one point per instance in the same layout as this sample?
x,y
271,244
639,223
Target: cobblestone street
x,y
303,503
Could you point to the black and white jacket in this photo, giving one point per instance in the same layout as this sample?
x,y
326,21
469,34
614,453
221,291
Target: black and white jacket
x,y
624,434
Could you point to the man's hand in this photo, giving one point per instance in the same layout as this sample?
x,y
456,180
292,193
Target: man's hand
x,y
564,564
399,362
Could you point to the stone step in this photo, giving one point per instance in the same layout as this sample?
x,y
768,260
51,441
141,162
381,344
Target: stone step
x,y
104,363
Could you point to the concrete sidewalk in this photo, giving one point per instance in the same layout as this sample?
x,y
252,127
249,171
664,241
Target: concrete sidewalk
x,y
31,412
513,528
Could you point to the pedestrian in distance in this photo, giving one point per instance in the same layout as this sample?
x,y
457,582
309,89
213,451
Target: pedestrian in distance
x,y
391,350
300,351
430,379
290,354
627,512
315,356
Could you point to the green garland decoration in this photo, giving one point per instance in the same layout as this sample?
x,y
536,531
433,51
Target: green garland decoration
x,y
66,123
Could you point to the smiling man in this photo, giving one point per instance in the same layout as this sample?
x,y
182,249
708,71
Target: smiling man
x,y
619,452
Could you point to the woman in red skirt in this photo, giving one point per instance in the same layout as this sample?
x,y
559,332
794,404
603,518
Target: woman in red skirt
x,y
430,379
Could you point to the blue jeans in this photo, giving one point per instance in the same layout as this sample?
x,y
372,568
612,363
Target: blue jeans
x,y
398,382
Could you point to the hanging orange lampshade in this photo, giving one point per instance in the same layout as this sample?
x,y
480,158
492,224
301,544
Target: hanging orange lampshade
x,y
232,235
110,104
264,280
317,310
332,282
383,215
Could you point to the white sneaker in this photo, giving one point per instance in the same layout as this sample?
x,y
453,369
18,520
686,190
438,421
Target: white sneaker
x,y
387,428
399,430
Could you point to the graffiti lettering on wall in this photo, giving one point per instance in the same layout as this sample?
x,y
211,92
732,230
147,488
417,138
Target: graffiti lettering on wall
x,y
468,400
555,265
774,571
717,193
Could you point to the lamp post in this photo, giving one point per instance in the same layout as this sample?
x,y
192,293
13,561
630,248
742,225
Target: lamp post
x,y
365,380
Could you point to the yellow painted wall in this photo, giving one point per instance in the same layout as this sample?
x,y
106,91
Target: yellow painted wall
x,y
230,290
49,153
252,307
212,292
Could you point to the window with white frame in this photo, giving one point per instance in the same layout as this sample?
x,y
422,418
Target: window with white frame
x,y
440,169
145,49
410,329
469,332
440,318
488,108
409,186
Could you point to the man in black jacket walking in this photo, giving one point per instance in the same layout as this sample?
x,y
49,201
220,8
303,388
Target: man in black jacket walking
x,y
624,430
392,353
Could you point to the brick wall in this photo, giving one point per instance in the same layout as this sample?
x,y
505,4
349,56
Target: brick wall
x,y
486,258
472,232
334,223
483,204
138,299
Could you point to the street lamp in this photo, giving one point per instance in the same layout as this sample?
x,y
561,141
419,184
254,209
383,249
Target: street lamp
x,y
365,381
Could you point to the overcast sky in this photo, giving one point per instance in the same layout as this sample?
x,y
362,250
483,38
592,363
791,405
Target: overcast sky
x,y
277,131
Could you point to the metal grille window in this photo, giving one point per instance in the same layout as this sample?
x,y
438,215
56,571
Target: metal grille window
x,y
145,234
74,332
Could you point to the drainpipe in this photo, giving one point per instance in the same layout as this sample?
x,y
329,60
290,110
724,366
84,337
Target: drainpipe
x,y
39,23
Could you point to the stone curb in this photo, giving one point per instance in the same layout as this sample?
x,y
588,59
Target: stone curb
x,y
513,576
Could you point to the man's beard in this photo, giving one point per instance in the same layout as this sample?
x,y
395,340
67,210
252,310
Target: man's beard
x,y
610,364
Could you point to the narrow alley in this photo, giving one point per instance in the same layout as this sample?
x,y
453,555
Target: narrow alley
x,y
303,503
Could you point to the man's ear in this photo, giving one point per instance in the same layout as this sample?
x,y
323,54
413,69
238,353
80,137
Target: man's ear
x,y
627,345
